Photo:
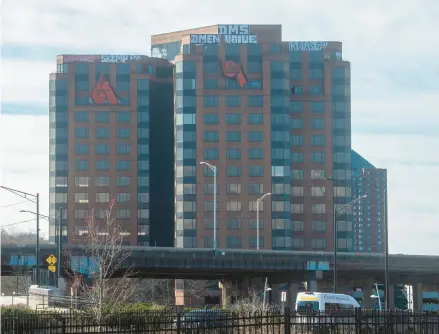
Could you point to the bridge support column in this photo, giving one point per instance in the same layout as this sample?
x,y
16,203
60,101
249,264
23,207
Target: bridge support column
x,y
293,289
367,292
391,298
417,291
226,287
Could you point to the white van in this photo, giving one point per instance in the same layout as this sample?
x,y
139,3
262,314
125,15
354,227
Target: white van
x,y
318,307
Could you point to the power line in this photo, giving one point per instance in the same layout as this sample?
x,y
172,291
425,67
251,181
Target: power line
x,y
8,205
21,222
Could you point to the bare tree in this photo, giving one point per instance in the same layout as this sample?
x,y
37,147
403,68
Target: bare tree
x,y
196,291
157,291
112,286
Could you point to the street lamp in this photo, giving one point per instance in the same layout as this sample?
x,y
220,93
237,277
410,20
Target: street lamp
x,y
259,200
336,212
213,168
59,243
34,198
386,235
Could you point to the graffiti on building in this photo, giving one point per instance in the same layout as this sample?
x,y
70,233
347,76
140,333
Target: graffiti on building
x,y
234,70
98,58
229,34
103,93
307,46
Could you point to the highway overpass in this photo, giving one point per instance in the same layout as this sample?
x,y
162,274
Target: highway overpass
x,y
205,263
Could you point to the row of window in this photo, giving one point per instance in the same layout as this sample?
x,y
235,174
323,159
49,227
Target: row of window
x,y
102,116
253,224
99,181
120,148
104,133
231,101
122,213
319,157
234,119
101,197
235,242
319,106
236,206
103,165
141,231
236,171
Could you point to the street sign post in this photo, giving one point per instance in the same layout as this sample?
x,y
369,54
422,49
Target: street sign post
x,y
51,261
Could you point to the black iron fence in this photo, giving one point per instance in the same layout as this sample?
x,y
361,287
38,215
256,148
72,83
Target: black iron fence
x,y
221,321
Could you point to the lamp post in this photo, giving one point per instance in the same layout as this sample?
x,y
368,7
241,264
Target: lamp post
x,y
259,200
386,235
34,198
336,212
213,168
59,241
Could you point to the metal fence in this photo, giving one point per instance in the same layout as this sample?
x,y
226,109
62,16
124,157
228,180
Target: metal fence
x,y
220,321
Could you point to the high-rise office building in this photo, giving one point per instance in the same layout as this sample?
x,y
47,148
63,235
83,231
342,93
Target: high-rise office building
x,y
111,137
369,213
269,117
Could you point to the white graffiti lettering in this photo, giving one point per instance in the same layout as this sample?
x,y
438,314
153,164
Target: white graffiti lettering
x,y
81,58
233,29
228,39
307,46
114,58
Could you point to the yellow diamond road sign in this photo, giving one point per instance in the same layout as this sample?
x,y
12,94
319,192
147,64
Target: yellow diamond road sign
x,y
52,268
51,260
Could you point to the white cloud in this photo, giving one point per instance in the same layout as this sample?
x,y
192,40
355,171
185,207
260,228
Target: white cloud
x,y
24,165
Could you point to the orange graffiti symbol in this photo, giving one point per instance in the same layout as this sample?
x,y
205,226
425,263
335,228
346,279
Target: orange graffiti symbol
x,y
233,70
103,93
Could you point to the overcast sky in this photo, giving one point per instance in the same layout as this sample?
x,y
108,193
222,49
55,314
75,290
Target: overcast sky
x,y
393,47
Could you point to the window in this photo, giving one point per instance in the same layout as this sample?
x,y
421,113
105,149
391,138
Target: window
x,y
297,174
143,213
255,101
318,157
296,107
81,149
319,243
102,197
81,181
211,154
81,197
123,213
81,116
298,226
317,123
256,153
255,119
318,226
234,241
297,157
233,136
296,74
142,197
191,188
81,214
81,164
123,116
233,188
233,101
123,133
255,136
123,165
142,165
102,116
209,206
315,73
123,149
296,123
298,243
102,149
123,181
123,197
210,100
102,133
211,136
297,191
233,206
210,83
211,119
297,140
281,189
255,171
255,188
318,191
81,132
319,208
233,153
234,171
318,140
233,119
317,106
318,174
315,90
296,208
233,224
102,165
102,181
